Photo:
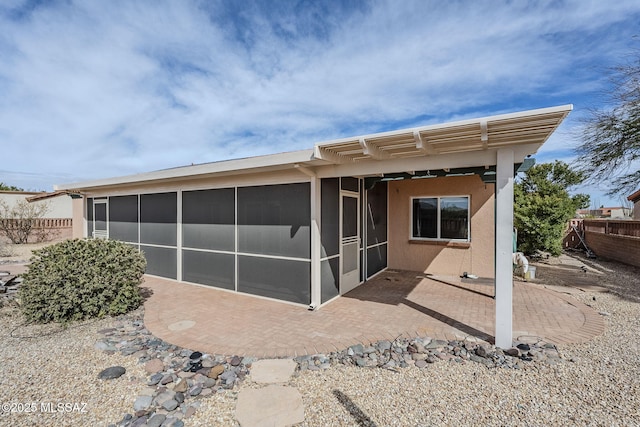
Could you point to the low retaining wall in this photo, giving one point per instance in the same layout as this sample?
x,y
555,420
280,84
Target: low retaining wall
x,y
616,240
51,229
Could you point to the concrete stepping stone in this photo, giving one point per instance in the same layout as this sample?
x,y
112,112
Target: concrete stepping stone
x,y
272,371
270,406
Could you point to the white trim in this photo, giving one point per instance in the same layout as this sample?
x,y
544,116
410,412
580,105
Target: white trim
x,y
275,257
376,245
153,245
179,234
438,219
236,273
329,257
213,251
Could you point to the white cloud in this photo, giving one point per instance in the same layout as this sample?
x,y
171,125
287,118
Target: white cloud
x,y
99,89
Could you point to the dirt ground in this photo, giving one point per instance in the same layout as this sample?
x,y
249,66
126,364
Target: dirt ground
x,y
574,269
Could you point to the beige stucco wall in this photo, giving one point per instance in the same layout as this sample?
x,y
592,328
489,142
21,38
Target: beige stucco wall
x,y
476,257
78,218
58,207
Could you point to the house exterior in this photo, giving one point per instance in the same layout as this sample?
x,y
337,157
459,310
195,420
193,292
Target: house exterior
x,y
616,212
307,226
635,199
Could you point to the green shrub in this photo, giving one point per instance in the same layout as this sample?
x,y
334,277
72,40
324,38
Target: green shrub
x,y
80,279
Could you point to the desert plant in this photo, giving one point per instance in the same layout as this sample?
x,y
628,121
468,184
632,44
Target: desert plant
x,y
79,279
18,222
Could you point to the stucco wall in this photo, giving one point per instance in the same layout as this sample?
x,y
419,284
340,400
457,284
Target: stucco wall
x,y
444,258
624,249
59,207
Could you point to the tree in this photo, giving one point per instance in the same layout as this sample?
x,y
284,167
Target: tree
x,y
5,187
610,136
18,222
543,206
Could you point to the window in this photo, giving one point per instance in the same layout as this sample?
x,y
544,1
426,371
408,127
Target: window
x,y
445,218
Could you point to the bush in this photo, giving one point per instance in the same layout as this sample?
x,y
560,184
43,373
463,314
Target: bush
x,y
80,279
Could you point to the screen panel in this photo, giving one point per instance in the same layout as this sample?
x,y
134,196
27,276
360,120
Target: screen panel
x,y
209,268
89,217
376,213
161,261
283,279
208,219
123,218
376,259
275,220
330,216
350,184
158,217
330,278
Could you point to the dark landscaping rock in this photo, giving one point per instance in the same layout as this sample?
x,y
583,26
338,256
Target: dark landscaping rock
x,y
523,347
155,379
156,420
112,373
513,352
235,361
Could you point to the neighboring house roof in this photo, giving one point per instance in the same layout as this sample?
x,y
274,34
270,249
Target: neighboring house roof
x,y
460,144
634,197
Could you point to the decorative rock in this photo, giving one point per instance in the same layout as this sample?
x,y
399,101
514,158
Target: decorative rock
x,y
482,351
228,377
189,412
524,347
170,404
179,397
208,363
154,365
112,373
166,379
235,361
181,386
215,372
154,379
421,364
383,345
142,402
103,346
514,352
156,420
195,390
357,349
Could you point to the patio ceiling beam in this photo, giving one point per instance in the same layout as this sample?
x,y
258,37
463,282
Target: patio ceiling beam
x,y
323,153
484,135
423,145
371,149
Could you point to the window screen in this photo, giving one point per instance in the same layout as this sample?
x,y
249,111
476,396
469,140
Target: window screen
x,y
208,219
275,220
89,217
283,279
208,268
329,219
158,217
376,259
330,278
376,212
161,261
123,218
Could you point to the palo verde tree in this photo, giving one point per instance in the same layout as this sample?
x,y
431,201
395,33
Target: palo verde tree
x,y
543,206
610,148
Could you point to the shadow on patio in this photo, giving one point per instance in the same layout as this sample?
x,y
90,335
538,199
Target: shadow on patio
x,y
393,304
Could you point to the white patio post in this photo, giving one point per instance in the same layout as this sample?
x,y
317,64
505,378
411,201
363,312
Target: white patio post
x,y
315,243
504,248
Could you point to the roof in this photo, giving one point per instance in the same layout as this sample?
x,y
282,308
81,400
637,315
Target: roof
x,y
528,129
634,197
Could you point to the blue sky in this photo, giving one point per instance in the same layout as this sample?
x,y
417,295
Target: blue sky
x,y
94,89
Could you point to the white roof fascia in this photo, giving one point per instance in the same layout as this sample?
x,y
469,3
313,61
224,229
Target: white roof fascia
x,y
226,166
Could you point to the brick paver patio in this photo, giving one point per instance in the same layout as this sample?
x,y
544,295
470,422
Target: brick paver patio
x,y
393,304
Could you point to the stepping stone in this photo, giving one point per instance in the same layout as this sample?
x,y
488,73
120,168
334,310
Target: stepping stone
x,y
273,405
270,371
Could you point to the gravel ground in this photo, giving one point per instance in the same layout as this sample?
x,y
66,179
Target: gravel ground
x,y
598,387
